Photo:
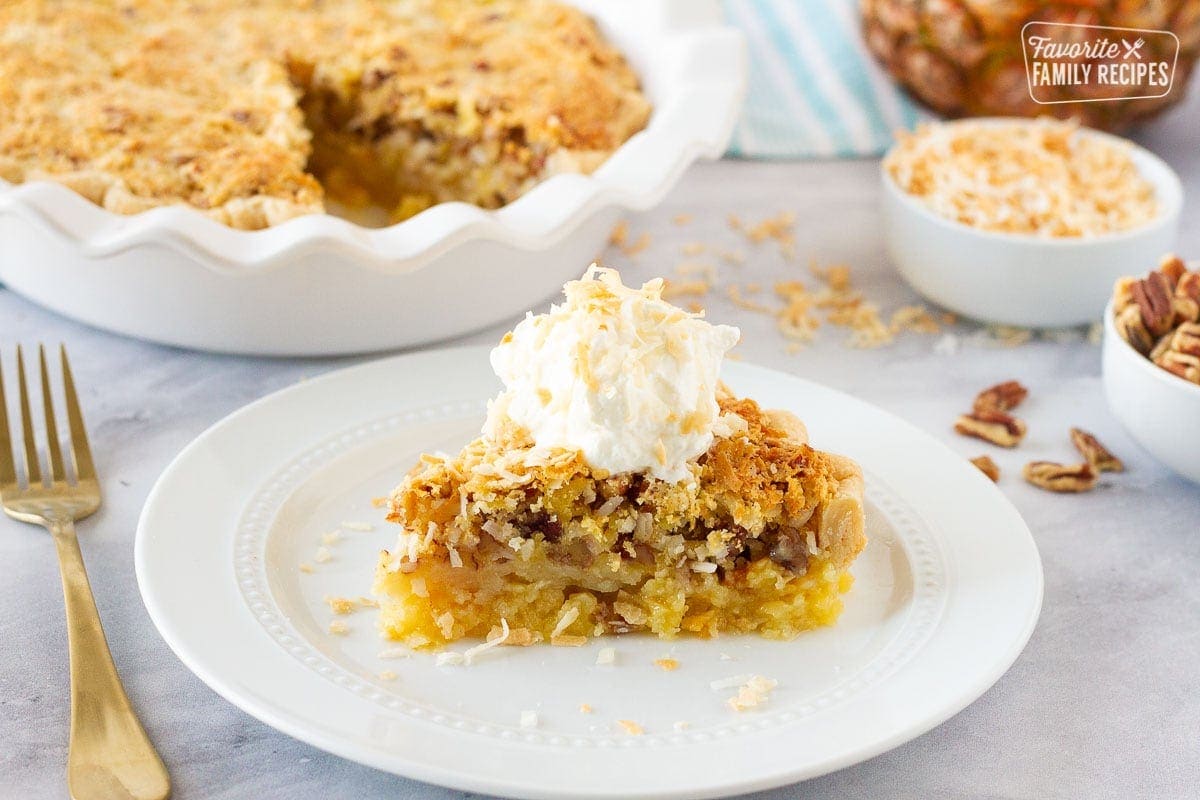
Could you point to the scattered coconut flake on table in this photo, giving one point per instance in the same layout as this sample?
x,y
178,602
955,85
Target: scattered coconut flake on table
x,y
631,727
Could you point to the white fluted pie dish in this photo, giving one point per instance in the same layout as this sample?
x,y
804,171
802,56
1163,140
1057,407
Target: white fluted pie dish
x,y
321,285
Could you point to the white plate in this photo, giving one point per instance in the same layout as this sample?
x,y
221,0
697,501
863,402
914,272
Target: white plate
x,y
946,595
319,284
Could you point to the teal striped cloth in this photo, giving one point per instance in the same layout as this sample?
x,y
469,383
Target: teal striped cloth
x,y
815,91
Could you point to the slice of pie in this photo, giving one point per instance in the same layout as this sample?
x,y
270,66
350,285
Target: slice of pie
x,y
619,487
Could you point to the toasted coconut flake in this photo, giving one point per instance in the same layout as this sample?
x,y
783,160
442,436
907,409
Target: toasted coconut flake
x,y
469,655
394,652
667,664
565,640
753,693
564,622
584,708
631,727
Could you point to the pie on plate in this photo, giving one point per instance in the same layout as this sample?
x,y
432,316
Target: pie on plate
x,y
694,512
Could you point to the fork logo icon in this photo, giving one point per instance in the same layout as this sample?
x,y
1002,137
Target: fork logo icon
x,y
1133,49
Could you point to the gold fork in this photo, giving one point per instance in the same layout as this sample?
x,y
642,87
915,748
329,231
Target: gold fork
x,y
110,757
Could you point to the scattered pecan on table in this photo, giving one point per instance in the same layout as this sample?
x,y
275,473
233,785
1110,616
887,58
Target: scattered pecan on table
x,y
996,427
1096,454
987,467
1060,477
1001,397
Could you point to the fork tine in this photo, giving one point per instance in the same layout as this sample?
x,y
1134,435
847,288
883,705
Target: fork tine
x,y
80,450
8,468
56,462
32,470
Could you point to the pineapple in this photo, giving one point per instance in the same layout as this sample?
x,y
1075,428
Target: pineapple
x,y
964,58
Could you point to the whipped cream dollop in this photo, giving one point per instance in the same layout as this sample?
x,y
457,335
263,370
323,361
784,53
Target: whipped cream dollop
x,y
616,373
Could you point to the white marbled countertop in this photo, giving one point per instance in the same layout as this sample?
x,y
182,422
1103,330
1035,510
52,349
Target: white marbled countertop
x,y
1103,703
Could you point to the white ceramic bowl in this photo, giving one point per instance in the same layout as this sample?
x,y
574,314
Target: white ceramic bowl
x,y
1019,279
321,285
1160,410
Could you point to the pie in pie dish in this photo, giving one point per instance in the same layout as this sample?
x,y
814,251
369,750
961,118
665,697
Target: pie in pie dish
x,y
618,486
257,111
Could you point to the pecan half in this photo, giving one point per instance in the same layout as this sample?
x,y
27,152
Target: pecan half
x,y
1096,454
1181,364
1153,298
987,467
1123,294
1172,267
1001,397
1129,324
1186,301
1186,339
1060,477
992,426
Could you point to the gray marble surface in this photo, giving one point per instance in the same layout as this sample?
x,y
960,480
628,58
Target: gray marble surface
x,y
1102,704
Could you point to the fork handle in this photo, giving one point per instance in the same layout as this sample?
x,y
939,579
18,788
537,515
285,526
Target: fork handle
x,y
110,756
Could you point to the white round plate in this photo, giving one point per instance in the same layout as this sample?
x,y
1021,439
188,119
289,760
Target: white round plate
x,y
946,595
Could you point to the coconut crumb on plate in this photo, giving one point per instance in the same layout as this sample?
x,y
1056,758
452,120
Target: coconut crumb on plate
x,y
606,655
667,664
362,527
529,718
338,628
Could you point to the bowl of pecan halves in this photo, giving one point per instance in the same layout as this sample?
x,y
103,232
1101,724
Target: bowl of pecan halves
x,y
1152,362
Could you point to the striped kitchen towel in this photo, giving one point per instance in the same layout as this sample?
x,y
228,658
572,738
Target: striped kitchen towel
x,y
815,91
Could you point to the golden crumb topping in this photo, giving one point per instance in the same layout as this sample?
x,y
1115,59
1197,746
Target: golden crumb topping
x,y
253,111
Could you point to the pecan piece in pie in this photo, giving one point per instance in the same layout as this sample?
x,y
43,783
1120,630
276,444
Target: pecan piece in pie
x,y
996,427
1001,397
1096,454
987,467
1060,477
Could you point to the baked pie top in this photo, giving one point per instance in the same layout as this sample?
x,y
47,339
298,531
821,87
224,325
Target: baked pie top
x,y
220,104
